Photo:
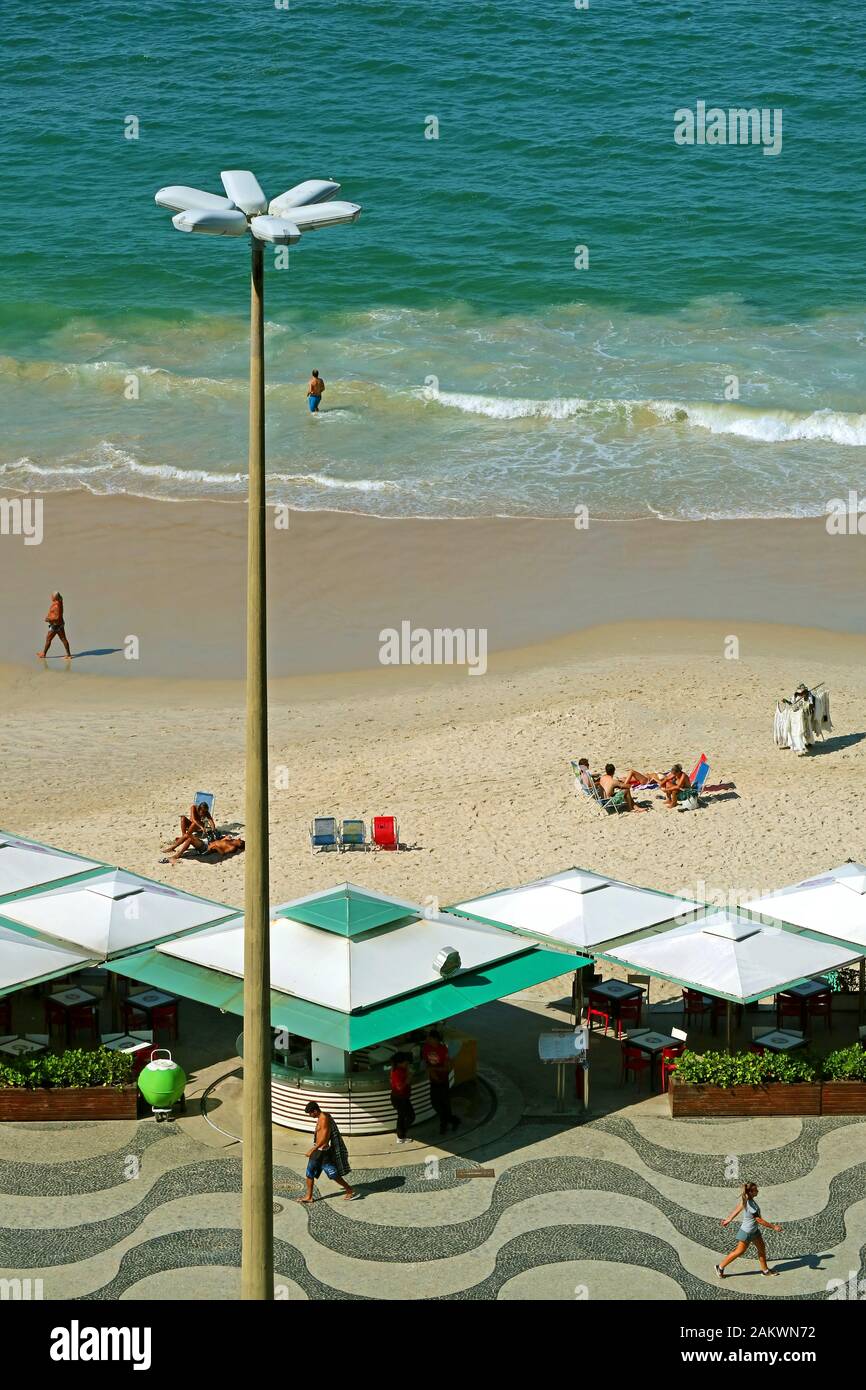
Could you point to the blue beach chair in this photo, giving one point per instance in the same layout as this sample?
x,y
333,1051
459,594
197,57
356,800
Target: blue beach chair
x,y
699,777
324,834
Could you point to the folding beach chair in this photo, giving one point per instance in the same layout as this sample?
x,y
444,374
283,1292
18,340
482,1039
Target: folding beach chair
x,y
697,779
385,832
353,835
207,798
592,793
324,834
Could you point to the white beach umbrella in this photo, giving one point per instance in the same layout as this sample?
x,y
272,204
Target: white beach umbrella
x,y
579,910
113,913
26,864
27,961
732,957
833,904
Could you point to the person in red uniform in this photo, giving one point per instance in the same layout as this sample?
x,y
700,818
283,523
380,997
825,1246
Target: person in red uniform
x,y
401,1094
438,1064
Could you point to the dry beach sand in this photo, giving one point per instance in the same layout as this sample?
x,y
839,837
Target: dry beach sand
x,y
101,758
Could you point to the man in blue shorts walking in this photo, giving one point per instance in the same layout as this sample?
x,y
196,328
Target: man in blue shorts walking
x,y
328,1154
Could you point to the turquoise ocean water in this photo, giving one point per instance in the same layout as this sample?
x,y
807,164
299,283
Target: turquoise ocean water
x,y
471,368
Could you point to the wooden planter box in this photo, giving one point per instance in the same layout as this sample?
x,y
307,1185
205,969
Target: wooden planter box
x,y
843,1098
69,1103
777,1098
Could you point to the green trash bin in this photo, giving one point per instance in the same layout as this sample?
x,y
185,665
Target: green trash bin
x,y
162,1083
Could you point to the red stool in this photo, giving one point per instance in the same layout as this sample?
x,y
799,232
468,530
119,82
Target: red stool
x,y
628,1012
163,1018
788,1007
821,1006
134,1018
695,1005
55,1017
83,1019
669,1056
597,1008
635,1061
140,1060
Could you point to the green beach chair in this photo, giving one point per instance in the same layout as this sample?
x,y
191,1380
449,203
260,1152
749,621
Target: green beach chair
x,y
353,835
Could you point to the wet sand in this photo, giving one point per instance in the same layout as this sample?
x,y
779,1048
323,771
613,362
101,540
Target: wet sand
x,y
172,576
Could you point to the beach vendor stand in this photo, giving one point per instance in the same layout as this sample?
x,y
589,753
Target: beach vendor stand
x,y
355,977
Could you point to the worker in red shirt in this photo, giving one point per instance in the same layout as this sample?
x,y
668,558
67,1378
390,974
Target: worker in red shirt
x,y
438,1063
401,1094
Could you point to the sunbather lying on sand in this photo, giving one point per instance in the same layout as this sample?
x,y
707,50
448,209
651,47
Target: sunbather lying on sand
x,y
616,789
226,845
633,778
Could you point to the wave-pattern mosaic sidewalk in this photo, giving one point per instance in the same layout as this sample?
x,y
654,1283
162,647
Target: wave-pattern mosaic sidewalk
x,y
615,1208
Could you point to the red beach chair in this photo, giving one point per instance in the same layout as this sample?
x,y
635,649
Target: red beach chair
x,y
386,832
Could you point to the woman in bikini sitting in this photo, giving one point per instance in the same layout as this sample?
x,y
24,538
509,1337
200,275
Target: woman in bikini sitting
x,y
198,832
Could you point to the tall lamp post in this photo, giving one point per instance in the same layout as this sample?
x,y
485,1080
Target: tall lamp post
x,y
246,211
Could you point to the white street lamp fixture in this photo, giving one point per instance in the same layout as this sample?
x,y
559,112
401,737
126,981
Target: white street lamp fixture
x,y
323,215
310,191
217,221
275,229
244,190
178,197
304,207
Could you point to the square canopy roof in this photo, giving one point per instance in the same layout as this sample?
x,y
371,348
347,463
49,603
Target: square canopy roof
x,y
111,912
26,865
349,911
833,904
731,956
358,968
26,961
466,990
578,910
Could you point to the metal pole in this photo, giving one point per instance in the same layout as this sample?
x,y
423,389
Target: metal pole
x,y
257,1261
862,999
730,1011
578,996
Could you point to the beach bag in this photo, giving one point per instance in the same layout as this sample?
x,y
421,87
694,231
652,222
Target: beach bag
x,y
339,1150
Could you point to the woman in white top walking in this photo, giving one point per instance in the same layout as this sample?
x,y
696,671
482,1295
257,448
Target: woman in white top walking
x,y
748,1234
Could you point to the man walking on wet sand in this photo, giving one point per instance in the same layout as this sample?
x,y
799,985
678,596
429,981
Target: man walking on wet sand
x,y
56,626
328,1153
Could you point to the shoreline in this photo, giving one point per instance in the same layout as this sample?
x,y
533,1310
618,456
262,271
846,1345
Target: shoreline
x,y
173,578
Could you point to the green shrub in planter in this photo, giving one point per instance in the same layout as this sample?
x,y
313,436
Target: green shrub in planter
x,y
744,1068
846,1064
75,1068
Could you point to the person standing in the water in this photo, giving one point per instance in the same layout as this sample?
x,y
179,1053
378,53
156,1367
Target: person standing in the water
x,y
315,391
